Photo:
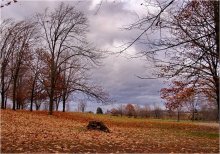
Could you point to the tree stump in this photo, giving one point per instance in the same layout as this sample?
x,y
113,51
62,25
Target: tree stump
x,y
97,125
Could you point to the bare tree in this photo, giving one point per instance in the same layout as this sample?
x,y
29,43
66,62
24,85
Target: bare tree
x,y
72,74
25,32
82,105
188,33
197,29
192,106
34,75
7,45
64,32
120,109
15,51
146,111
158,113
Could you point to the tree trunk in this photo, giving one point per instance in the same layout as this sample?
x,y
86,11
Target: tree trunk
x,y
18,103
31,107
32,94
217,99
14,94
6,97
37,106
57,104
64,101
216,17
52,84
51,103
193,114
2,88
64,105
178,115
14,87
3,99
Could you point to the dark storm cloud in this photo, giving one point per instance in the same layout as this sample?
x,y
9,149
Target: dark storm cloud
x,y
118,76
118,73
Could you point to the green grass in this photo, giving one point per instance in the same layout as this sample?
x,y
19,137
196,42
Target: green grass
x,y
204,134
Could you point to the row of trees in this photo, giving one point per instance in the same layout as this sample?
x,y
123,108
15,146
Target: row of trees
x,y
47,58
131,110
197,112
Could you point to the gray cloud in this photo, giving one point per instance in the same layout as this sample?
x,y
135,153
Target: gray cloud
x,y
106,25
118,73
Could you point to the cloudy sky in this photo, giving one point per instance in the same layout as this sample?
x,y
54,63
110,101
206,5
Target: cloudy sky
x,y
118,72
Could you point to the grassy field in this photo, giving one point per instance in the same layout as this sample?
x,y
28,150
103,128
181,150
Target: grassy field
x,y
23,131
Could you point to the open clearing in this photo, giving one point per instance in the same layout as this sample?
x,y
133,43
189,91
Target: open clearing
x,y
23,131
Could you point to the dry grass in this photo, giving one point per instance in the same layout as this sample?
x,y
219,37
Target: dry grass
x,y
23,131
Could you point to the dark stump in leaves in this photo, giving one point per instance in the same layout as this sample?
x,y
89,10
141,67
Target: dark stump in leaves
x,y
97,125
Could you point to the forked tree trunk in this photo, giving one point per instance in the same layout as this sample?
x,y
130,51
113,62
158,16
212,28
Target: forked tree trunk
x,y
51,103
52,88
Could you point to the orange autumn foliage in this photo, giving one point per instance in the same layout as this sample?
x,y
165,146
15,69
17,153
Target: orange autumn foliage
x,y
178,94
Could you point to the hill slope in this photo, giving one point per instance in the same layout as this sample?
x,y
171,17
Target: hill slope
x,y
24,131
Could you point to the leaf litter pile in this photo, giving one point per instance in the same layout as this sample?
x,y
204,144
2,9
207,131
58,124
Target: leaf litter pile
x,y
24,131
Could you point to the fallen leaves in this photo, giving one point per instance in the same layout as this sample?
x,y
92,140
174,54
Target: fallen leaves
x,y
23,131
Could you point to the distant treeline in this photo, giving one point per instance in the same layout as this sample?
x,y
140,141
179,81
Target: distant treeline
x,y
203,113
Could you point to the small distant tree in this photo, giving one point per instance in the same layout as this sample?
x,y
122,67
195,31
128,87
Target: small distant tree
x,y
146,111
99,111
120,110
157,112
82,105
130,111
114,112
207,111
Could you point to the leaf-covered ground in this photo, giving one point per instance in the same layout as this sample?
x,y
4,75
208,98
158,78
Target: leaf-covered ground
x,y
23,131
